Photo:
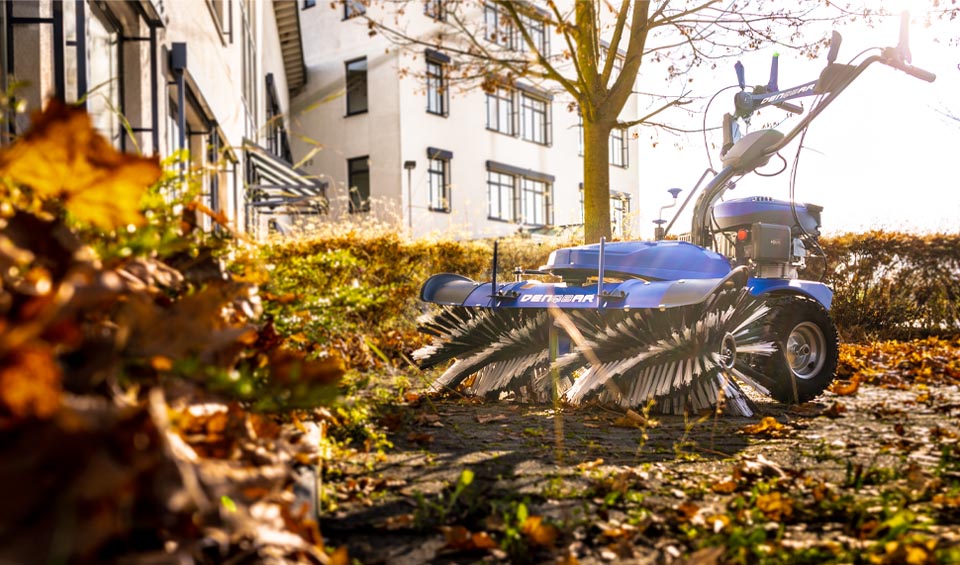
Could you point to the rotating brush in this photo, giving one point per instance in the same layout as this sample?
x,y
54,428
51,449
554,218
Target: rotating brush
x,y
504,349
676,356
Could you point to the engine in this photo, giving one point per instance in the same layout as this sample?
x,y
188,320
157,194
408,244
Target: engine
x,y
770,235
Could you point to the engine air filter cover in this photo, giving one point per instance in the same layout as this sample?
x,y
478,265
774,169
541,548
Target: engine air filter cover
x,y
739,212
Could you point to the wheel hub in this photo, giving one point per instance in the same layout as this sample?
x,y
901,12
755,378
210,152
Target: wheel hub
x,y
728,351
805,350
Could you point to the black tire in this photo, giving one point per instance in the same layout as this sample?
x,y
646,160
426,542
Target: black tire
x,y
805,362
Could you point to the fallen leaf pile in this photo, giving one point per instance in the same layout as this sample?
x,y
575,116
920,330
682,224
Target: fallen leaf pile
x,y
898,364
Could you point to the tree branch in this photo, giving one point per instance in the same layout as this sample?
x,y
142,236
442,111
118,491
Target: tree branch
x,y
673,103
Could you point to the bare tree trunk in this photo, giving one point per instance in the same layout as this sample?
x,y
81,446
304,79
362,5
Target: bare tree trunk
x,y
596,180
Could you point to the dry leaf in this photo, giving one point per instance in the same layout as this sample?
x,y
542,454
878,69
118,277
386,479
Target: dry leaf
x,y
775,506
845,388
63,158
487,418
30,382
768,426
539,533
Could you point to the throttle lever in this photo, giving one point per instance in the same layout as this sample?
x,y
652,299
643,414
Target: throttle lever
x,y
774,72
835,40
903,46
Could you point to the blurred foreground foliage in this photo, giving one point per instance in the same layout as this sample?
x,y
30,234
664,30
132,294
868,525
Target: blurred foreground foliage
x,y
136,376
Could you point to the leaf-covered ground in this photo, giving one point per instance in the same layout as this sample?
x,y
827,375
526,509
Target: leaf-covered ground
x,y
869,473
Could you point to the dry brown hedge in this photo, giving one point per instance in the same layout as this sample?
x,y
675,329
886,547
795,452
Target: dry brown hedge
x,y
892,285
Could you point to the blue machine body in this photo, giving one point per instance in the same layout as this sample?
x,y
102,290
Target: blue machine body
x,y
659,274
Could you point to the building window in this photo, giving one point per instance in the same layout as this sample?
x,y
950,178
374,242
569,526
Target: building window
x,y
497,26
579,133
500,196
537,29
353,8
580,213
278,142
617,60
438,179
437,98
356,86
103,76
534,198
534,119
500,111
619,155
435,9
619,209
220,11
519,195
358,184
309,4
250,76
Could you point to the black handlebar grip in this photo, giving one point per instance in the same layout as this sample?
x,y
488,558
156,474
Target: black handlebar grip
x,y
919,73
792,108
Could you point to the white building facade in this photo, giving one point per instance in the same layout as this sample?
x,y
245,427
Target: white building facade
x,y
212,77
395,138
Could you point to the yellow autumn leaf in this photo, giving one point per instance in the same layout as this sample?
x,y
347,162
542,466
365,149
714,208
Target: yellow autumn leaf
x,y
775,506
63,158
767,426
538,532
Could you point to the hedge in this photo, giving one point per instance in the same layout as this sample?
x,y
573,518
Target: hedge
x,y
892,285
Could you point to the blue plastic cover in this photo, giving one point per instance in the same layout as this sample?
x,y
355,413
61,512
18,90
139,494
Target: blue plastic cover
x,y
654,260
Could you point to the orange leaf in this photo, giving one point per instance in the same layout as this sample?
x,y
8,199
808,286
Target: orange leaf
x,y
482,540
30,382
339,557
768,426
539,533
63,157
775,506
845,388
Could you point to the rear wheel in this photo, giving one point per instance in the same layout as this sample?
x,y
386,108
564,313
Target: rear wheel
x,y
807,349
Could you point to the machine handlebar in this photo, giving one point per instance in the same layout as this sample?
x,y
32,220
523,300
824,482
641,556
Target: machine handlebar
x,y
912,71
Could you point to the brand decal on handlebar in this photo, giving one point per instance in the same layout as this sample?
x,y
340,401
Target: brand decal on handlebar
x,y
788,93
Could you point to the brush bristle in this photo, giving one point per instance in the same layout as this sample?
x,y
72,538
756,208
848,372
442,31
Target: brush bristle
x,y
673,355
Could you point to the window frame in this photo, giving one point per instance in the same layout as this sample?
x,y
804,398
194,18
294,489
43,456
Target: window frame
x,y
504,34
307,4
541,200
499,99
437,88
579,132
435,10
351,93
112,104
515,185
497,186
619,154
360,205
438,195
353,9
619,210
528,101
539,25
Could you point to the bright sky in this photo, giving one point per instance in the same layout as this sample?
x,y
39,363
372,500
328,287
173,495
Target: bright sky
x,y
883,155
